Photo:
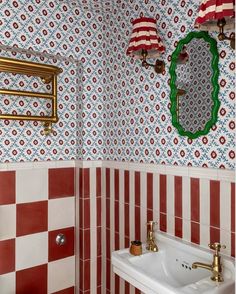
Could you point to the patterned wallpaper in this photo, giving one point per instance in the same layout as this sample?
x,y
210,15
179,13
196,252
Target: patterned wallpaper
x,y
124,109
138,120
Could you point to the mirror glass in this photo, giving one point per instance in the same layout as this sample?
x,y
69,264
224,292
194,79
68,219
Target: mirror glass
x,y
194,84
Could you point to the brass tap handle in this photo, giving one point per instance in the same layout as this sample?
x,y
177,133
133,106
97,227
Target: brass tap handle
x,y
216,246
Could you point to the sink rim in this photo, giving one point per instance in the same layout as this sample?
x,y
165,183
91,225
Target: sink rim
x,y
123,266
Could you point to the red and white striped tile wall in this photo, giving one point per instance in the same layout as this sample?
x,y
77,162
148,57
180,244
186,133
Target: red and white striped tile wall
x,y
35,206
197,209
113,203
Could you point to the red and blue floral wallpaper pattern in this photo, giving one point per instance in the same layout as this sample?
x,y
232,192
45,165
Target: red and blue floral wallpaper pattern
x,y
122,109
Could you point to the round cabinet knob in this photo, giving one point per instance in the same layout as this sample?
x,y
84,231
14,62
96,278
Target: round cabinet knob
x,y
60,239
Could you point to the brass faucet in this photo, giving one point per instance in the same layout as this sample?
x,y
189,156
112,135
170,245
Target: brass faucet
x,y
216,266
151,245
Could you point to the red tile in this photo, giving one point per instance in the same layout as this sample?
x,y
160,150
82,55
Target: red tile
x,y
137,223
195,233
116,214
81,212
214,235
178,196
127,288
99,271
178,227
7,256
70,290
126,186
149,191
7,187
215,204
32,280
86,213
86,183
233,207
117,284
232,244
116,184
163,225
99,211
81,274
108,183
195,200
61,182
126,220
81,186
108,243
98,182
149,215
86,281
81,245
108,212
108,274
163,193
31,218
86,247
57,251
99,241
117,241
137,188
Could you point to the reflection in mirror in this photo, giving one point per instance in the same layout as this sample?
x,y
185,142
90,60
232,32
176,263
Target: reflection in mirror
x,y
194,85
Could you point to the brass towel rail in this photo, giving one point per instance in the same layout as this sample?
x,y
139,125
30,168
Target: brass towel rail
x,y
47,73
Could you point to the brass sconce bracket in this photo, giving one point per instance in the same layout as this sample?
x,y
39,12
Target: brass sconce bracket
x,y
159,66
221,23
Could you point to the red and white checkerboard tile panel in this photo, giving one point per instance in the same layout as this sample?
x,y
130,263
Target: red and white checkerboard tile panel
x,y
198,210
35,206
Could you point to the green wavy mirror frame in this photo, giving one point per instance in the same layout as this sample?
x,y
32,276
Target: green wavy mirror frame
x,y
214,83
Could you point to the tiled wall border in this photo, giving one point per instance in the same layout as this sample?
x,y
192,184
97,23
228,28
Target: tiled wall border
x,y
195,172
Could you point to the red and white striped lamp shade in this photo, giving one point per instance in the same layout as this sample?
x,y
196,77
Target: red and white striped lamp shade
x,y
210,11
144,37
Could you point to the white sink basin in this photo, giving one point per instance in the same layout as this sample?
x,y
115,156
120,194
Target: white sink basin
x,y
169,270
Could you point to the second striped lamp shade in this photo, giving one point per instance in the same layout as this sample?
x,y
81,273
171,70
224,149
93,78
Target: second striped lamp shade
x,y
144,38
216,15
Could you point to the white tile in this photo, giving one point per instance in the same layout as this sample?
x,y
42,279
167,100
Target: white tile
x,y
225,206
31,185
7,283
31,250
143,204
61,213
204,236
7,221
156,197
187,230
121,226
121,187
225,239
93,276
61,274
112,183
170,225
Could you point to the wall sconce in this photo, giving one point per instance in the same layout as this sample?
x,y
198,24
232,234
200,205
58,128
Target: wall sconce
x,y
145,43
217,15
